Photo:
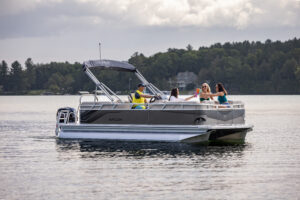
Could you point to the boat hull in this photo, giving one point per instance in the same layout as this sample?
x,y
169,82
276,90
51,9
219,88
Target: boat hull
x,y
235,135
164,133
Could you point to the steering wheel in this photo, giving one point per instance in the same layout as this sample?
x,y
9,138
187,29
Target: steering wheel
x,y
154,98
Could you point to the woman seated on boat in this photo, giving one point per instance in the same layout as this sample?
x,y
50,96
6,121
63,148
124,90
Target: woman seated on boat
x,y
140,98
174,96
221,94
205,94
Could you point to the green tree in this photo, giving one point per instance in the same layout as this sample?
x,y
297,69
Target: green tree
x,y
55,83
30,73
288,69
17,78
189,47
3,75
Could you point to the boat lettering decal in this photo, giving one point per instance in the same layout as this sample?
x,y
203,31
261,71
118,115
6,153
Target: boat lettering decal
x,y
115,119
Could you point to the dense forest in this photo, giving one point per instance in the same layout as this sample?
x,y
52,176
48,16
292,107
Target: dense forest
x,y
272,67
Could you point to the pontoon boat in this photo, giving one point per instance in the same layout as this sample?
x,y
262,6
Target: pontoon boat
x,y
115,119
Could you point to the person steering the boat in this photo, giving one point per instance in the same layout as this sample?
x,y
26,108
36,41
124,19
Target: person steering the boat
x,y
140,98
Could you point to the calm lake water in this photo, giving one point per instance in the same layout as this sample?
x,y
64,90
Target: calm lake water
x,y
34,165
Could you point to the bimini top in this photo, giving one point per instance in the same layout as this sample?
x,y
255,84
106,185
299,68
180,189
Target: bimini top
x,y
109,65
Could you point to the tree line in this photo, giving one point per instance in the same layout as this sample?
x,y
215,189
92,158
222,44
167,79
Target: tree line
x,y
270,67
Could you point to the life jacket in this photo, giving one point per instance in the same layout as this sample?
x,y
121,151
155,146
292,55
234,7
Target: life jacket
x,y
136,98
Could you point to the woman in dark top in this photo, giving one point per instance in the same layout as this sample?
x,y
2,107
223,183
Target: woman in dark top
x,y
221,94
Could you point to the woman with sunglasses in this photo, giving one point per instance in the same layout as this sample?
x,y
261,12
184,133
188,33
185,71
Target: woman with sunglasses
x,y
205,94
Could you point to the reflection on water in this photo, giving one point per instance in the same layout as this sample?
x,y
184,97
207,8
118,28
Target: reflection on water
x,y
146,149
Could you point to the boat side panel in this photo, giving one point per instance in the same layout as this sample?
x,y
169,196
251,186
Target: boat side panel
x,y
224,116
186,117
114,117
176,117
138,117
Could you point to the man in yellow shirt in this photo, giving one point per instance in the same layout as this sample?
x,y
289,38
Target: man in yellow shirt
x,y
139,97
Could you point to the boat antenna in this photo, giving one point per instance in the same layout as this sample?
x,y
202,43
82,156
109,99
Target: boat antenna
x,y
100,49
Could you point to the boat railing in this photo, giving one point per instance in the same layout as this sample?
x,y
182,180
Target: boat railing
x,y
83,95
161,106
65,117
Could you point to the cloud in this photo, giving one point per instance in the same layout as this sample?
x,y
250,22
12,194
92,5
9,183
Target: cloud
x,y
205,13
237,14
31,18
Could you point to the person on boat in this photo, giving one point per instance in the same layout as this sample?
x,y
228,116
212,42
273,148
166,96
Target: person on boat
x,y
140,98
205,94
174,96
221,94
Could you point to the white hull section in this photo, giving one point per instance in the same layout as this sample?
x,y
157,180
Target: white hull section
x,y
189,134
134,136
165,133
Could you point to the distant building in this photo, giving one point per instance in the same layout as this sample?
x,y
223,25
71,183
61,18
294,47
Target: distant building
x,y
185,78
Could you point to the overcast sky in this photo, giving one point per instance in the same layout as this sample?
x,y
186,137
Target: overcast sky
x,y
70,30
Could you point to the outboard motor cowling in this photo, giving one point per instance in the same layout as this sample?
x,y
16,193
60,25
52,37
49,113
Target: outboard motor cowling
x,y
65,115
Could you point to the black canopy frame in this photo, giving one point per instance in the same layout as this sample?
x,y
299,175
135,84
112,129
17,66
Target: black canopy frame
x,y
115,66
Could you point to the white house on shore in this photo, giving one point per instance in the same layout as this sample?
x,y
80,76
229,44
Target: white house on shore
x,y
182,79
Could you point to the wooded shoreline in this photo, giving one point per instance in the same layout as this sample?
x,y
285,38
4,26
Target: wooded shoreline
x,y
272,67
